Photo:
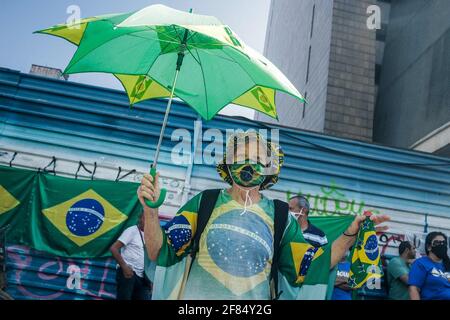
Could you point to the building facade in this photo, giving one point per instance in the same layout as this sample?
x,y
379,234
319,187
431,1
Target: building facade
x,y
389,84
413,105
327,50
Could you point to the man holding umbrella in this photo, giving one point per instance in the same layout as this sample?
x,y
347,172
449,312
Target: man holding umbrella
x,y
235,254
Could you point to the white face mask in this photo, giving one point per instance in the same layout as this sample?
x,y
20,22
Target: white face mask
x,y
296,215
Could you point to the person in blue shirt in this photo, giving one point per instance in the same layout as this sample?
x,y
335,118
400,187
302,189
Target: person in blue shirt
x,y
429,278
342,290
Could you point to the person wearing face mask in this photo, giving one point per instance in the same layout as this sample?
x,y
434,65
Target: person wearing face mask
x,y
299,208
429,278
232,243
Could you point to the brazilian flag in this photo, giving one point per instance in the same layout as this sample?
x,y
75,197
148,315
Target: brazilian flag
x,y
15,193
365,256
315,280
63,216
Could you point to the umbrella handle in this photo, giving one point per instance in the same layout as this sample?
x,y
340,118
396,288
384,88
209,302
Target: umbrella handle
x,y
162,194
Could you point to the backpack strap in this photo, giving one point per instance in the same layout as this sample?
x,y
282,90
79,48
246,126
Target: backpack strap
x,y
280,220
207,203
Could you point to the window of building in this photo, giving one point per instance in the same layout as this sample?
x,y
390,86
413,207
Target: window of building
x,y
304,106
381,33
312,20
377,74
307,66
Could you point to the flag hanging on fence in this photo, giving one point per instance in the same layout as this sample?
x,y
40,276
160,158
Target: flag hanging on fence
x,y
64,216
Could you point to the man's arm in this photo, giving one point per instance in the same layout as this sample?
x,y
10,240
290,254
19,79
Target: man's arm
x,y
340,280
339,248
152,233
344,286
414,293
404,279
115,250
152,230
398,271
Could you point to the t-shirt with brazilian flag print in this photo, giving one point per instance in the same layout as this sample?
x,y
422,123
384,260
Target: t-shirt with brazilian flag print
x,y
235,255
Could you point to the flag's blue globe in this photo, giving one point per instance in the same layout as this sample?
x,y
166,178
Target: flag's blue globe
x,y
371,247
85,217
307,260
240,245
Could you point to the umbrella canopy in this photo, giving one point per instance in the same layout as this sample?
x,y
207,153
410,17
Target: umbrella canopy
x,y
137,87
160,52
142,48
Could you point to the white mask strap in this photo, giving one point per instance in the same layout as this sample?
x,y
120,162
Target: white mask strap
x,y
247,198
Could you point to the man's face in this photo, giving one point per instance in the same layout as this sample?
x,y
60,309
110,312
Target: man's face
x,y
247,170
412,252
296,209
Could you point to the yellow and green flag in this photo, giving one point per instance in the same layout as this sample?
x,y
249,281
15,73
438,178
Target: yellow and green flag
x,y
15,192
63,216
365,256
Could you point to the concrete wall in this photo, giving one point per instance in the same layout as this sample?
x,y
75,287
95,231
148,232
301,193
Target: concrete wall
x,y
288,41
340,84
351,81
414,93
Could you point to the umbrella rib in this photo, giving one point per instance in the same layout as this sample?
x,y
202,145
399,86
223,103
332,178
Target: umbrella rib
x,y
176,31
215,55
189,38
198,61
159,40
160,32
241,68
167,34
204,82
149,68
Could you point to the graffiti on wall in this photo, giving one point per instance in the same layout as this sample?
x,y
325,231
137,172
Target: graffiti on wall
x,y
32,275
332,200
387,240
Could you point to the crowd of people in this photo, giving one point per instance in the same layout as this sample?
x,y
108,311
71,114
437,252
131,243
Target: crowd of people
x,y
210,219
425,278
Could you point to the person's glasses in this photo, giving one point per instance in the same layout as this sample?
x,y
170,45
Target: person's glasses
x,y
438,242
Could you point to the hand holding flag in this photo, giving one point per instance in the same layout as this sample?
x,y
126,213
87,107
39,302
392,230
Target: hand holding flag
x,y
376,219
365,256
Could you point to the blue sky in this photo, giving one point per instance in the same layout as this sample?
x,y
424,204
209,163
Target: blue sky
x,y
21,48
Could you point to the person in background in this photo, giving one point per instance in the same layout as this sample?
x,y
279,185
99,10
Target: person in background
x,y
3,294
429,277
398,271
128,251
299,208
342,291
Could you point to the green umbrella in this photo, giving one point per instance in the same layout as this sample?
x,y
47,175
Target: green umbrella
x,y
193,57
